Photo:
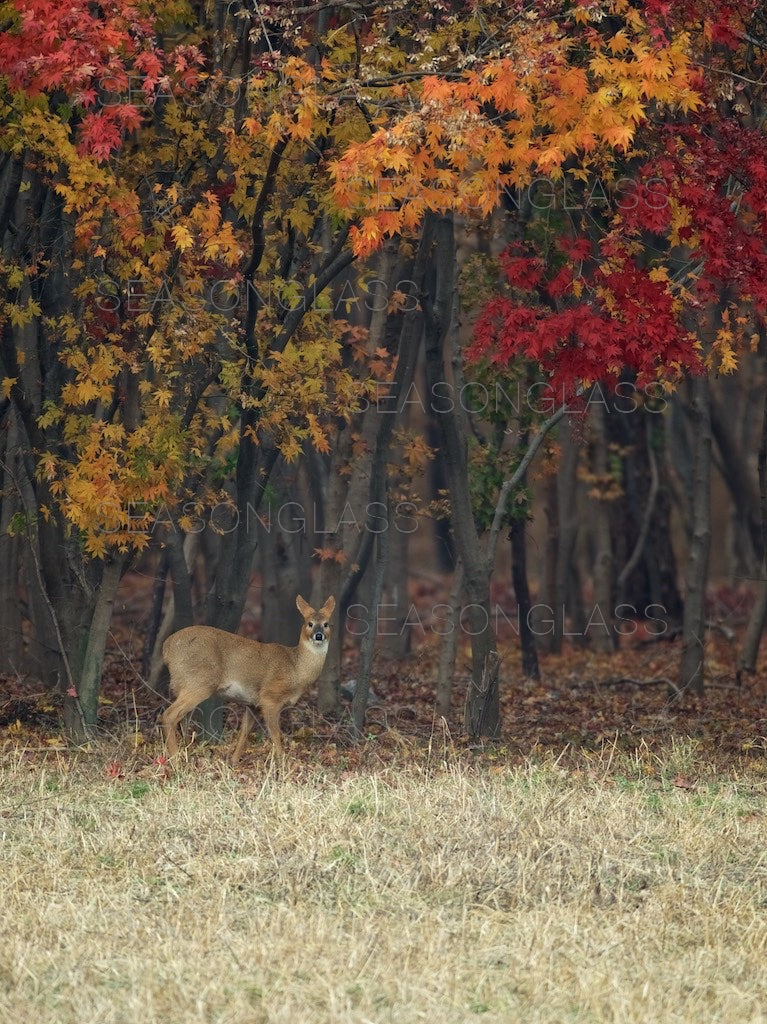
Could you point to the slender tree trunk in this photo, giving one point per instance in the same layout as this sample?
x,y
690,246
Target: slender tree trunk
x,y
737,476
67,585
552,596
284,570
518,539
379,523
342,489
758,618
600,623
367,647
450,627
226,600
680,464
181,552
10,612
658,549
43,655
155,614
83,725
482,713
755,628
443,538
691,673
330,582
650,438
396,642
379,432
179,611
576,608
331,575
518,543
567,599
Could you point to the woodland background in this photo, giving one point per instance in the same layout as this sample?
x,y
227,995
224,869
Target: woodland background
x,y
452,310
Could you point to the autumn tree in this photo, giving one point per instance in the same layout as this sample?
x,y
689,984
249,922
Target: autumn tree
x,y
573,105
186,196
169,249
673,281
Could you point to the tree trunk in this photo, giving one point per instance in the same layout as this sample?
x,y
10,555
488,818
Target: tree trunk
x,y
755,628
284,569
226,600
756,622
10,612
576,608
82,726
379,521
181,553
443,538
342,490
659,549
737,475
367,647
691,673
567,598
450,629
518,539
396,640
331,571
179,611
482,713
680,463
155,615
600,623
42,658
640,516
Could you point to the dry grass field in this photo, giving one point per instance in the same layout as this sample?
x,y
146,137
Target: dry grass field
x,y
630,890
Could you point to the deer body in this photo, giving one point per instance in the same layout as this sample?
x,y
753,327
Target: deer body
x,y
204,662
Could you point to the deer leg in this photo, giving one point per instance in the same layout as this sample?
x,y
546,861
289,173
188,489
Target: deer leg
x,y
272,719
186,701
246,727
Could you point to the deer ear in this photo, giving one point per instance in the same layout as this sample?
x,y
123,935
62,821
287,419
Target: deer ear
x,y
302,606
327,608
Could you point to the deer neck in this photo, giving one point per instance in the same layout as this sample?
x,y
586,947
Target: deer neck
x,y
309,658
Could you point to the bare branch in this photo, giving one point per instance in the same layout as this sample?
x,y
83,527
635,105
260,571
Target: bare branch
x,y
518,474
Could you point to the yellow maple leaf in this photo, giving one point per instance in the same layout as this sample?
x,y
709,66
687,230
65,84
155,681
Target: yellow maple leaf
x,y
619,135
182,237
619,42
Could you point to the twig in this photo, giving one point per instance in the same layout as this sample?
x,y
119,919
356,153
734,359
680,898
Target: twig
x,y
732,74
627,681
671,634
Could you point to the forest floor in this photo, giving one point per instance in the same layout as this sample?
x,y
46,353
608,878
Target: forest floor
x,y
603,861
584,701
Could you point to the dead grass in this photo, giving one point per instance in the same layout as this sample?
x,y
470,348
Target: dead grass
x,y
621,892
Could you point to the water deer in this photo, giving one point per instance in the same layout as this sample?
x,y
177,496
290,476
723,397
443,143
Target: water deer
x,y
204,661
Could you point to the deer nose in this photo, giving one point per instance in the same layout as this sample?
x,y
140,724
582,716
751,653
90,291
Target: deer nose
x,y
319,636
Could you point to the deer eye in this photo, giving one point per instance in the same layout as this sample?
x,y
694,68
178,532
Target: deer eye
x,y
324,625
310,625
